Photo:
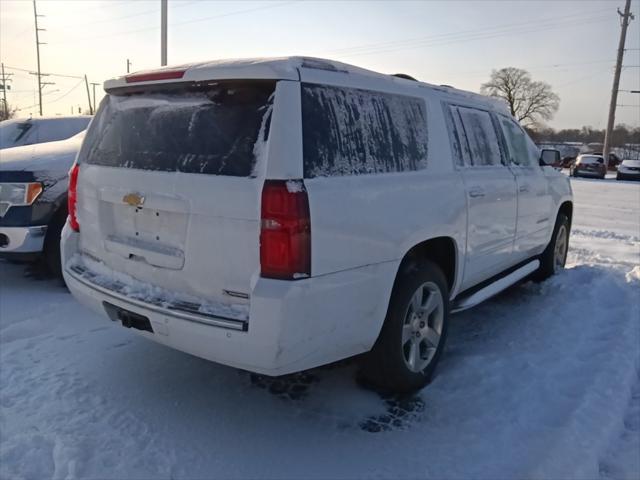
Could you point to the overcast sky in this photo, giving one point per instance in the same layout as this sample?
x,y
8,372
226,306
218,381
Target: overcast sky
x,y
569,44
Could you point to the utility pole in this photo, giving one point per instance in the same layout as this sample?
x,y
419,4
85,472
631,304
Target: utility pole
x,y
5,87
128,65
38,30
625,17
95,108
163,32
86,82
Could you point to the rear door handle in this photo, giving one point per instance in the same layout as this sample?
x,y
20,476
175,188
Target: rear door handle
x,y
476,192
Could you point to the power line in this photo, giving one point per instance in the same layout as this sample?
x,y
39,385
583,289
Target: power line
x,y
533,68
573,18
48,74
480,35
124,17
583,79
57,99
178,24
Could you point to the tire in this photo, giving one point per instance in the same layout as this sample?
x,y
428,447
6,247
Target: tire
x,y
52,243
554,256
412,338
618,176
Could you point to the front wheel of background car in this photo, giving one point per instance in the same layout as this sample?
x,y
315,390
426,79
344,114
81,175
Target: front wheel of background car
x,y
554,256
413,335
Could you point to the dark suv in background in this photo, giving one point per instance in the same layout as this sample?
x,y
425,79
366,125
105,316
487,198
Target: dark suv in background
x,y
33,200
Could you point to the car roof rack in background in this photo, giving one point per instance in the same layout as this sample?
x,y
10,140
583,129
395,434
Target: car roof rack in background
x,y
404,75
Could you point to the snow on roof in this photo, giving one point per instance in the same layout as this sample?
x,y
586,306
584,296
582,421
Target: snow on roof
x,y
286,68
47,118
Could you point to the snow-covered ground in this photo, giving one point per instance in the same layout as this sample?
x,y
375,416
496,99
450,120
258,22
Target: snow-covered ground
x,y
540,382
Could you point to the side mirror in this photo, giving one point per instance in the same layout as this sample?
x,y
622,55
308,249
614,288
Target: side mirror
x,y
549,157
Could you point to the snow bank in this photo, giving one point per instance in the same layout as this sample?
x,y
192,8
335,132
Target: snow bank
x,y
539,382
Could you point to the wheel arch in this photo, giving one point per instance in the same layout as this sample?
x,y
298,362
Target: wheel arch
x,y
443,251
58,212
566,207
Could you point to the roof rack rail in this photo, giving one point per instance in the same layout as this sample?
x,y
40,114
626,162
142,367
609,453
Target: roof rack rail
x,y
318,64
404,75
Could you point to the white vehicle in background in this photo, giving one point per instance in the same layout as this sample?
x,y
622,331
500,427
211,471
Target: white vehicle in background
x,y
279,214
628,170
18,132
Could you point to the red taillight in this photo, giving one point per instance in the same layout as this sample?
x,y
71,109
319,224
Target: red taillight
x,y
151,76
72,197
285,234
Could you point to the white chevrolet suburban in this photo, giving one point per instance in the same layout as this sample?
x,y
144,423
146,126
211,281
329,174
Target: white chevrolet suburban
x,y
279,214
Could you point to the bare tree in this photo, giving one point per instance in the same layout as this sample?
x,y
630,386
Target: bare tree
x,y
6,111
530,102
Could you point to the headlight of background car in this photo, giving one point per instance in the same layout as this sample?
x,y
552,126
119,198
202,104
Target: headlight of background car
x,y
18,194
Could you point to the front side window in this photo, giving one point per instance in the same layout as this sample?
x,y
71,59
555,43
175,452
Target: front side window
x,y
484,146
348,131
522,151
210,129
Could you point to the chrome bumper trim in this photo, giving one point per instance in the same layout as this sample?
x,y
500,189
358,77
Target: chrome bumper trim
x,y
23,239
80,274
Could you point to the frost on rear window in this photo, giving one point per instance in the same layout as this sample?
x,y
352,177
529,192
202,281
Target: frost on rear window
x,y
349,131
210,129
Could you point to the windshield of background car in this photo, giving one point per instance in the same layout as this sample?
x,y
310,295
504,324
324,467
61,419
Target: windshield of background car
x,y
12,132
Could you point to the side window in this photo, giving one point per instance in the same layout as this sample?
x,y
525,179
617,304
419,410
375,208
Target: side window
x,y
522,151
348,131
457,137
484,146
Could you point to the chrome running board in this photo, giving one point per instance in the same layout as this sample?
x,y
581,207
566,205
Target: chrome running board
x,y
495,287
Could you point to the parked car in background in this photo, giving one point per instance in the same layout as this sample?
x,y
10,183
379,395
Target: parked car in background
x,y
628,170
29,131
33,199
614,160
280,214
589,165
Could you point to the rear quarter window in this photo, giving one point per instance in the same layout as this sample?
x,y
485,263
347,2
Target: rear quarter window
x,y
348,131
481,136
209,129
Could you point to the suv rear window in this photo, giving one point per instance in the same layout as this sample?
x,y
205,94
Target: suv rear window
x,y
210,129
591,159
348,131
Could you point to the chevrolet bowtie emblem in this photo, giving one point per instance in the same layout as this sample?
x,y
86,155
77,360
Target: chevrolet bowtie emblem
x,y
133,199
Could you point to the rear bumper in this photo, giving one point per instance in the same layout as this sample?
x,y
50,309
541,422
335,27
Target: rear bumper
x,y
22,240
629,175
291,326
588,173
